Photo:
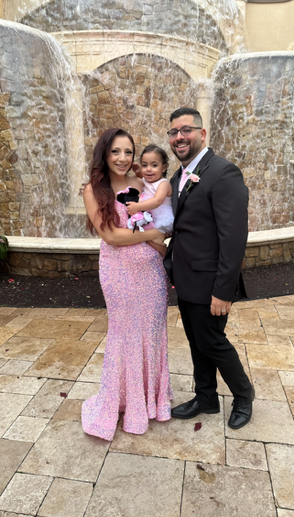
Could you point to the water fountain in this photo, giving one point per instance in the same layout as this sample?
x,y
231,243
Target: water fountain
x,y
70,70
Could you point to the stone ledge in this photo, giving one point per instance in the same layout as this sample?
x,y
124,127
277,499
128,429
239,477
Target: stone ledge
x,y
48,257
277,236
50,245
88,246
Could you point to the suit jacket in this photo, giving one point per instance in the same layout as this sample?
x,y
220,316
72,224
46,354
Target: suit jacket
x,y
206,251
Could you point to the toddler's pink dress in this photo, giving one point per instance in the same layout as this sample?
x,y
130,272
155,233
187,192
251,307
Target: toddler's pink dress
x,y
163,218
135,378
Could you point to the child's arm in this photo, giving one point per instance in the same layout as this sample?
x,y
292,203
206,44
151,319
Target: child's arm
x,y
164,190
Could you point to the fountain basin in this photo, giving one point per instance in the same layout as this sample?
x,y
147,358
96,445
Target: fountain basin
x,y
51,257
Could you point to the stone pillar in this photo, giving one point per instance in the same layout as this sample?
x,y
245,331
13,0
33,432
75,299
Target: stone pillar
x,y
242,6
204,103
76,158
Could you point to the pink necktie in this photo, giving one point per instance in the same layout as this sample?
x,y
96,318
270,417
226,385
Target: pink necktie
x,y
184,178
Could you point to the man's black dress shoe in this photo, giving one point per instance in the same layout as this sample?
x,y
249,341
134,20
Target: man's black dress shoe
x,y
193,408
241,412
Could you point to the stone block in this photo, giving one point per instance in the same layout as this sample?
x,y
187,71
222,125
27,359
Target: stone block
x,y
14,258
53,274
287,255
20,271
50,264
61,256
13,207
63,265
250,262
38,272
252,252
277,260
276,252
37,261
263,263
24,263
263,252
6,135
104,98
4,210
248,172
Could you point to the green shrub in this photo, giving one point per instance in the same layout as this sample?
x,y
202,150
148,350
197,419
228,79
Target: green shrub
x,y
3,247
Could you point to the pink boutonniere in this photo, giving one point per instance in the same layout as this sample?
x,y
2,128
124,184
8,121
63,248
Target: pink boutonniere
x,y
194,178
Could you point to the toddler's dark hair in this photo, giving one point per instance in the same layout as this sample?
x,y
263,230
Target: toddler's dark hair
x,y
154,148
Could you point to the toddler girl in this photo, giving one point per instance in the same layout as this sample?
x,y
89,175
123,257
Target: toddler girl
x,y
157,191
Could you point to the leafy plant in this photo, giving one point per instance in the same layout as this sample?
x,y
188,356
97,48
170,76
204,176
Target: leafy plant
x,y
3,247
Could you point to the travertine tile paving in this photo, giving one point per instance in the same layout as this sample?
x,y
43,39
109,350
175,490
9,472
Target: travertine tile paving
x,y
136,486
226,491
281,464
51,360
66,498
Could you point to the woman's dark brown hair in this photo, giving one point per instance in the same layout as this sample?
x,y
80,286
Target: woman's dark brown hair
x,y
100,180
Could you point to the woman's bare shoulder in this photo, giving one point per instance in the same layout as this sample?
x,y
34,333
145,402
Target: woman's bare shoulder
x,y
135,182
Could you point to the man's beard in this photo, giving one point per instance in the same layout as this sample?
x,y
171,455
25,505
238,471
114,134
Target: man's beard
x,y
189,155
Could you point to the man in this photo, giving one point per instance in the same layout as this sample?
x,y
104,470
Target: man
x,y
203,261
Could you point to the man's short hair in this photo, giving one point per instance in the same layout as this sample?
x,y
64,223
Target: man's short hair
x,y
187,111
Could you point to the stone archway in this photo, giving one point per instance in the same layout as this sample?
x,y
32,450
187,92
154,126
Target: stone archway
x,y
137,92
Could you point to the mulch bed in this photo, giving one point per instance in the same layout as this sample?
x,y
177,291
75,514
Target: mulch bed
x,y
85,292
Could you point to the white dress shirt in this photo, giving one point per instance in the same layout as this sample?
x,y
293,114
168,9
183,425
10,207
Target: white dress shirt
x,y
193,164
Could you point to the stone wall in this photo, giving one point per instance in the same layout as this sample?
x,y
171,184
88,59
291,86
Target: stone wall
x,y
137,93
253,126
277,253
32,133
60,264
10,182
51,265
158,16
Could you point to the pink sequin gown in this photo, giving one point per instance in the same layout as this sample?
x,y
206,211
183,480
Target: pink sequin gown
x,y
135,378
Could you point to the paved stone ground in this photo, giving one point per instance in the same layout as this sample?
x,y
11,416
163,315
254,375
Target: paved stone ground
x,y
51,360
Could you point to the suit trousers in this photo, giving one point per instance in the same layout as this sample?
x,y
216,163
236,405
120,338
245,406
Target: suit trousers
x,y
211,350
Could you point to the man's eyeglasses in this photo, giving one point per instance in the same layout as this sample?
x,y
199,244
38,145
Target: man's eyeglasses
x,y
185,130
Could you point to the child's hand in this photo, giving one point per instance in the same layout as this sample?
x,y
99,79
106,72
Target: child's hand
x,y
132,208
137,170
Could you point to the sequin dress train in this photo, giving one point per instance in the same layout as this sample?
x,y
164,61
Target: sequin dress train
x,y
135,377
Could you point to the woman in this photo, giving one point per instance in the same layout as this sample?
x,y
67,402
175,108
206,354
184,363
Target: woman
x,y
135,378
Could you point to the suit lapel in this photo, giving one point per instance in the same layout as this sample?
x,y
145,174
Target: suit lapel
x,y
175,188
203,166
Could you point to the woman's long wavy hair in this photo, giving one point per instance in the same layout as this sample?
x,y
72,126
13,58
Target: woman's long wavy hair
x,y
100,179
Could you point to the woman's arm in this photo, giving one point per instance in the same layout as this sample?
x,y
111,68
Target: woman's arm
x,y
161,248
164,190
116,236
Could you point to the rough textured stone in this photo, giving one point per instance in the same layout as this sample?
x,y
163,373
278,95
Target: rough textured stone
x,y
12,453
244,454
265,425
281,464
177,438
63,450
25,493
125,485
246,89
226,491
66,498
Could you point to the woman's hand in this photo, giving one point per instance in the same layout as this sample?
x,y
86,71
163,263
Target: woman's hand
x,y
159,238
132,207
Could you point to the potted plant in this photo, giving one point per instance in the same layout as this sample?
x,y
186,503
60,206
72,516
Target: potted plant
x,y
3,247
